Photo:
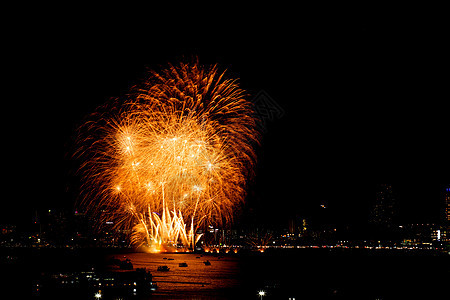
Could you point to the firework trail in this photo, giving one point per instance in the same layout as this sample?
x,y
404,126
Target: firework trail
x,y
174,155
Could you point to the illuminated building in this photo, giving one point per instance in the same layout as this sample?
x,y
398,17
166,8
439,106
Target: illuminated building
x,y
423,233
7,229
439,235
445,229
304,226
382,213
447,205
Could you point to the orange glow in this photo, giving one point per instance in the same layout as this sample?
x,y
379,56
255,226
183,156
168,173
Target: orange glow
x,y
174,156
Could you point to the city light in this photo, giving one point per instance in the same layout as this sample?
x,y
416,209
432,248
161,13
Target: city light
x,y
98,295
261,294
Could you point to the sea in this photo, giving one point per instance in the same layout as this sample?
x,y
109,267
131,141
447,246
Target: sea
x,y
274,274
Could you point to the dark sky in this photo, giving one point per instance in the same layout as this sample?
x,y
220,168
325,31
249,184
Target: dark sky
x,y
361,99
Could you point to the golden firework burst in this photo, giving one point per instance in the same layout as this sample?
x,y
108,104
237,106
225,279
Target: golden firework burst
x,y
174,155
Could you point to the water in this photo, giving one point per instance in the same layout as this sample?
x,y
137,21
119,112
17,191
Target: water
x,y
283,274
221,279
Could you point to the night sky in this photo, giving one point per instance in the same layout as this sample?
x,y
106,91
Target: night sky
x,y
361,101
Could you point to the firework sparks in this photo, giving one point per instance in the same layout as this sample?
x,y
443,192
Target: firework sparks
x,y
175,155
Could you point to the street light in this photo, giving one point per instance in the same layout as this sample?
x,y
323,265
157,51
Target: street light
x,y
261,294
98,295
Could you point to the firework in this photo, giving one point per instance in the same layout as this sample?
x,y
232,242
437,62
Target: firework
x,y
174,155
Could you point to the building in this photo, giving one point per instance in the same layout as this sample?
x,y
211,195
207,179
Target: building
x,y
447,205
439,235
422,233
445,228
383,210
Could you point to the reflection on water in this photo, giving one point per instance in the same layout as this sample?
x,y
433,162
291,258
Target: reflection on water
x,y
197,279
284,274
300,275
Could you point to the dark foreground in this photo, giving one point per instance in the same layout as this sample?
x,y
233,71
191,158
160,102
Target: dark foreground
x,y
280,274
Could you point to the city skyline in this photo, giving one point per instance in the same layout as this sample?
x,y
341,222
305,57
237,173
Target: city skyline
x,y
319,210
349,196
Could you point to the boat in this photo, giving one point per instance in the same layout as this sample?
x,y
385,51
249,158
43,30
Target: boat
x,y
126,264
163,268
170,258
182,265
207,263
153,286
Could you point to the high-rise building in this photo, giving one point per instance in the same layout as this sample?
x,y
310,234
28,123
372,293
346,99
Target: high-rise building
x,y
383,210
447,205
